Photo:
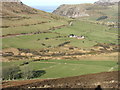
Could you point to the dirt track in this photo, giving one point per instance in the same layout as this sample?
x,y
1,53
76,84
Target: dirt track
x,y
105,80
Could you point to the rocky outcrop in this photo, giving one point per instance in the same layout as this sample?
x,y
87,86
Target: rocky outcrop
x,y
84,10
72,11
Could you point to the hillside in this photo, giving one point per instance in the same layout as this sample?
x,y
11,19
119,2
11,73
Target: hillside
x,y
19,18
41,45
31,33
107,80
88,11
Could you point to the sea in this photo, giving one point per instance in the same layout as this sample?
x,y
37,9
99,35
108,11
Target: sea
x,y
49,9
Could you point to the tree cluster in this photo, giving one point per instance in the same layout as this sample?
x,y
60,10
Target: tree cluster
x,y
25,72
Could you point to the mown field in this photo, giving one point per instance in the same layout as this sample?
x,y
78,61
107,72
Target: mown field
x,y
65,68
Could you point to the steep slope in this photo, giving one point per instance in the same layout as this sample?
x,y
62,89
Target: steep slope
x,y
92,11
23,17
72,10
15,9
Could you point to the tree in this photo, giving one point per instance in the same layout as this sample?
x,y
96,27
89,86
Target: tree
x,y
27,73
11,73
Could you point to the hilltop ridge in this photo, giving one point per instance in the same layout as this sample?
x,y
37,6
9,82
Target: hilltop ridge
x,y
16,9
91,11
107,2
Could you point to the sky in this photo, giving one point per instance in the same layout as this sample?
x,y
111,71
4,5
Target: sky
x,y
54,2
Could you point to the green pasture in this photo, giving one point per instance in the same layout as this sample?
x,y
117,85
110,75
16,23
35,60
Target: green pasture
x,y
32,41
93,34
67,68
32,28
110,11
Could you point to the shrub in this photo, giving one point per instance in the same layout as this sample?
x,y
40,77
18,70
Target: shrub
x,y
38,73
43,44
102,17
24,63
46,38
4,26
8,54
63,43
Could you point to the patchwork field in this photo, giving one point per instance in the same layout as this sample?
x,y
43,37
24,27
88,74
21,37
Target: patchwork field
x,y
41,45
93,33
31,28
57,43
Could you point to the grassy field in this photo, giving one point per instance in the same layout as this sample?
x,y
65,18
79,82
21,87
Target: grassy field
x,y
32,41
24,19
53,43
93,34
32,28
110,11
66,68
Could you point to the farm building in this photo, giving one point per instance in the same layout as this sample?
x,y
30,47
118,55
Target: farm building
x,y
75,36
72,35
80,37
